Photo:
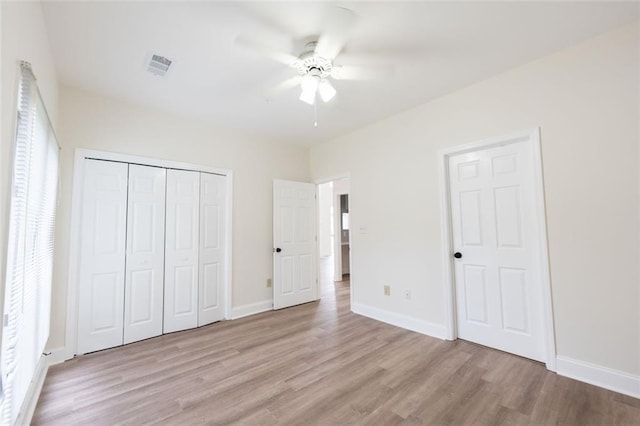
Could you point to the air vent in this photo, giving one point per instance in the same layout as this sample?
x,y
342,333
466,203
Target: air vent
x,y
159,65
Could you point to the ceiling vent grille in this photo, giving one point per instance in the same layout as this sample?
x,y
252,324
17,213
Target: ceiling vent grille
x,y
159,65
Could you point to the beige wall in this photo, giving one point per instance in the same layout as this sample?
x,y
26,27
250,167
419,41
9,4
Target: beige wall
x,y
95,122
585,100
23,38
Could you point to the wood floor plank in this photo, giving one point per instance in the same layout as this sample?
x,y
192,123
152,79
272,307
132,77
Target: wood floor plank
x,y
317,364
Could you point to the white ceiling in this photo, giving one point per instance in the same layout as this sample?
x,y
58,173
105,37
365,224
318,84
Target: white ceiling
x,y
433,47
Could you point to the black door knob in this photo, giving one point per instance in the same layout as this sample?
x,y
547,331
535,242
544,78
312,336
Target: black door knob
x,y
457,255
278,250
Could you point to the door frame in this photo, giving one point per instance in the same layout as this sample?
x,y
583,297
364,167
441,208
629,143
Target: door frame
x,y
336,215
73,268
337,232
532,138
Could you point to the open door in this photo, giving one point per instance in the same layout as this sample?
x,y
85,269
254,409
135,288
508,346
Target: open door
x,y
294,242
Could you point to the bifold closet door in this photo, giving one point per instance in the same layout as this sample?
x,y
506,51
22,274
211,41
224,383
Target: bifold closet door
x,y
102,256
144,273
212,253
181,250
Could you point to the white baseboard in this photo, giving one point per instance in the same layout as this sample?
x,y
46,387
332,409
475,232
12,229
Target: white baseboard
x,y
59,355
604,377
251,309
33,392
400,320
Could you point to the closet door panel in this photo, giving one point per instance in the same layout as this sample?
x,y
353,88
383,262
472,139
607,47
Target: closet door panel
x,y
212,254
102,256
181,250
144,280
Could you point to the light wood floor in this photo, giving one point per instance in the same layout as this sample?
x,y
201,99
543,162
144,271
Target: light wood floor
x,y
317,364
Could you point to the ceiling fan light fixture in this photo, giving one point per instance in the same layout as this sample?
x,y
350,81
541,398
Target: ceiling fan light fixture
x,y
309,83
308,96
326,90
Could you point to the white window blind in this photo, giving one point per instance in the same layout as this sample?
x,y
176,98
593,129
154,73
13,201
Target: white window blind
x,y
27,303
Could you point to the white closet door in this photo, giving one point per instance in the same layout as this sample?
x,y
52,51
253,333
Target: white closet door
x,y
144,276
212,255
102,248
181,251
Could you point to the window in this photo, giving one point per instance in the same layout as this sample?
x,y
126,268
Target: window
x,y
27,301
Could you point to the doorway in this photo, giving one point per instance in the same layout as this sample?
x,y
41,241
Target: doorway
x,y
342,254
334,240
496,262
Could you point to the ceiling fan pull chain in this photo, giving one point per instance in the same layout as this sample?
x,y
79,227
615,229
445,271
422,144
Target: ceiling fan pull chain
x,y
315,114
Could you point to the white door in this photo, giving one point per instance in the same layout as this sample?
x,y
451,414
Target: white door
x,y
497,276
294,239
144,276
102,256
212,242
181,251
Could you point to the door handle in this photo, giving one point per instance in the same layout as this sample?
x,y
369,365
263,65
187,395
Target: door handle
x,y
277,250
457,255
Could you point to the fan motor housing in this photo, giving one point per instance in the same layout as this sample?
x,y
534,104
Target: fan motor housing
x,y
310,63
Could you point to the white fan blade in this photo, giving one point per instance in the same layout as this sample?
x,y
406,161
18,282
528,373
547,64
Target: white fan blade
x,y
285,85
348,72
282,57
338,26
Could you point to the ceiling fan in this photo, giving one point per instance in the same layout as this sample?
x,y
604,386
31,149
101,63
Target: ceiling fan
x,y
315,64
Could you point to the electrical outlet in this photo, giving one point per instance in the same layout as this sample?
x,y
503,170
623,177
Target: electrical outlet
x,y
407,294
269,282
387,290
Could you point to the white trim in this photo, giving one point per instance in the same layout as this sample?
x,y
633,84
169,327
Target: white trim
x,y
338,275
318,250
337,237
604,377
339,176
251,309
71,340
80,154
533,138
227,291
33,393
445,219
57,356
399,320
541,230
